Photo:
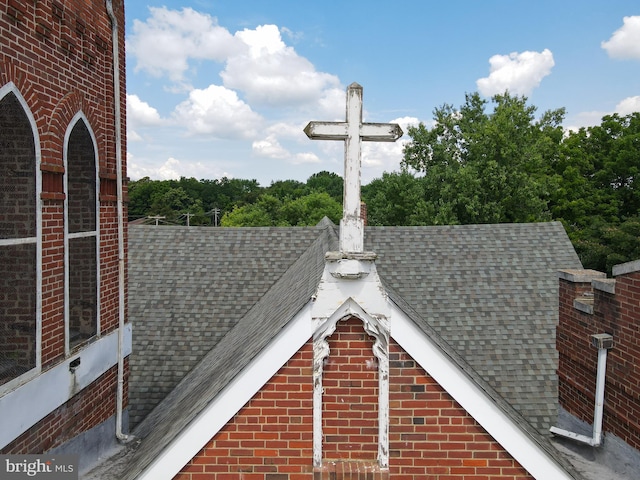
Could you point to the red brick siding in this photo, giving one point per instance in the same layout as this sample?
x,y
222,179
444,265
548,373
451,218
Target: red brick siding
x,y
59,56
350,400
431,436
619,315
52,282
271,437
92,406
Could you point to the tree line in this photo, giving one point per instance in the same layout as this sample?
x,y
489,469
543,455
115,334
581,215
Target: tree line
x,y
487,161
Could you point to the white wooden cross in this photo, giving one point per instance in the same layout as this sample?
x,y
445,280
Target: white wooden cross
x,y
353,132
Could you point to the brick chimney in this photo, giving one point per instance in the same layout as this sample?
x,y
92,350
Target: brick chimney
x,y
363,213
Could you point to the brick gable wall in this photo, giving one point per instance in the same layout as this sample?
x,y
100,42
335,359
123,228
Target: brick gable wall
x,y
430,435
601,307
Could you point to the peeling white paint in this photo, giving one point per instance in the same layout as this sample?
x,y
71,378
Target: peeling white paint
x,y
353,132
350,286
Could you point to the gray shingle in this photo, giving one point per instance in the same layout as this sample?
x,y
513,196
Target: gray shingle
x,y
188,287
491,292
205,302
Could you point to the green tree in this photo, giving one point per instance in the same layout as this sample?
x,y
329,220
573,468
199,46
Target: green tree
x,y
310,209
484,167
284,189
597,194
327,182
174,204
397,199
264,213
143,194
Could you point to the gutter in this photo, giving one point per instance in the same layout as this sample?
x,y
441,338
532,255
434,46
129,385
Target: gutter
x,y
122,437
603,342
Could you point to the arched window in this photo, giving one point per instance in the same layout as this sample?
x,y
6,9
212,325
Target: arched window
x,y
81,212
19,237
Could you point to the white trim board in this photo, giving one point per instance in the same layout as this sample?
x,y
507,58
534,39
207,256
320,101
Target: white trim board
x,y
413,340
28,404
235,395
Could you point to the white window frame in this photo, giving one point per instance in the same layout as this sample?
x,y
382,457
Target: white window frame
x,y
5,90
80,116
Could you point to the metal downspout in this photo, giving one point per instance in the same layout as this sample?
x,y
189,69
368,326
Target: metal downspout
x,y
603,342
121,257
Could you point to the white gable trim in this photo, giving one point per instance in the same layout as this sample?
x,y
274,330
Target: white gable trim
x,y
473,399
411,338
234,396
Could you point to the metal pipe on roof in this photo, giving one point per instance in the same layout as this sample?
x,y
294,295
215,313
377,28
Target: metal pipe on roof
x,y
603,342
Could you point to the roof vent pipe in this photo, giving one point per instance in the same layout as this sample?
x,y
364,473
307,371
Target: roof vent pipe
x,y
603,342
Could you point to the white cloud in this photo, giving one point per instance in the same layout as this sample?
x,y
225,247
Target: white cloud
x,y
305,157
172,169
517,72
406,122
380,157
269,72
331,105
270,147
140,113
164,44
589,119
217,111
625,42
133,136
628,105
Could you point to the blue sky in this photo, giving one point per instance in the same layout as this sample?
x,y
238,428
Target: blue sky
x,y
224,88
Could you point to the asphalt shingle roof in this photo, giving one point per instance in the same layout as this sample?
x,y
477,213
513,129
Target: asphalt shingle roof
x,y
491,292
205,301
188,287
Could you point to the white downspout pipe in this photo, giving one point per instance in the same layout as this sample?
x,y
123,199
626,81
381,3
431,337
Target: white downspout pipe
x,y
122,437
603,342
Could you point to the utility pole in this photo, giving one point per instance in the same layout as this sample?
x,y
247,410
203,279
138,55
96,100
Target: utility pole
x,y
157,218
189,215
214,215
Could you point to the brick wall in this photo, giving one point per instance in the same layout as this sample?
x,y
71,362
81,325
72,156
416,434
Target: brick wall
x,y
350,400
613,308
83,412
271,437
431,436
58,54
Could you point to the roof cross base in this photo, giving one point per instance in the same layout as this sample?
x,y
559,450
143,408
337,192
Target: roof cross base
x,y
350,266
351,234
